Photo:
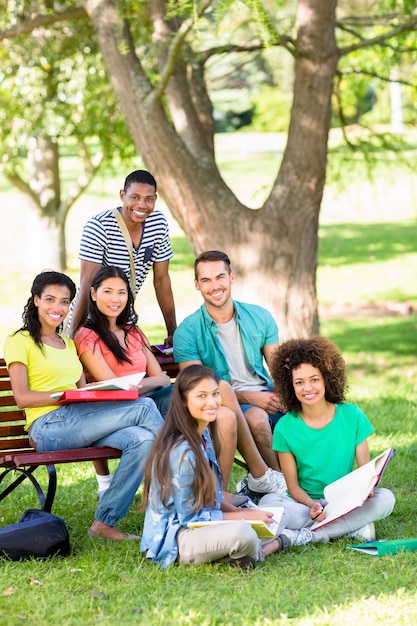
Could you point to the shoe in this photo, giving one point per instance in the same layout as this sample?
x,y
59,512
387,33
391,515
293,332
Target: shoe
x,y
271,482
127,537
366,533
284,543
239,500
243,490
245,563
300,537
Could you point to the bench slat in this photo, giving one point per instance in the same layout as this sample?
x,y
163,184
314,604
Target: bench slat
x,y
16,452
27,459
15,443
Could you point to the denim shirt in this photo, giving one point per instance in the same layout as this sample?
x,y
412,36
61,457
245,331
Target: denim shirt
x,y
159,538
196,339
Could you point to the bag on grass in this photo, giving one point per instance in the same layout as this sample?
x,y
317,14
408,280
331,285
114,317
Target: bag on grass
x,y
37,534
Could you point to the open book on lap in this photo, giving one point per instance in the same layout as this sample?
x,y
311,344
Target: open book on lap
x,y
112,384
350,492
264,531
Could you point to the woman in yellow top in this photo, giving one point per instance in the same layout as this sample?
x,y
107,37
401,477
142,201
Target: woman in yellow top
x,y
41,361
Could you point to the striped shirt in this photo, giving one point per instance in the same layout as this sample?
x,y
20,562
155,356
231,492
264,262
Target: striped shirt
x,y
102,242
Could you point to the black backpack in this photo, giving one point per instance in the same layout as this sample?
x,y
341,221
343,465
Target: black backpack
x,y
38,534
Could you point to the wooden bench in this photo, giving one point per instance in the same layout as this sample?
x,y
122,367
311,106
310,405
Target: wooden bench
x,y
17,455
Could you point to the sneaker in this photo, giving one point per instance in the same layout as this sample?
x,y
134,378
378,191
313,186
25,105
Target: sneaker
x,y
245,563
298,537
271,482
239,500
366,533
243,490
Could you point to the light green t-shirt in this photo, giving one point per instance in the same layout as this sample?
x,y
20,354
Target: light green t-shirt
x,y
50,370
322,455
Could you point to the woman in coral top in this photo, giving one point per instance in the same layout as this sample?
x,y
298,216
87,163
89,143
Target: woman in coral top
x,y
110,344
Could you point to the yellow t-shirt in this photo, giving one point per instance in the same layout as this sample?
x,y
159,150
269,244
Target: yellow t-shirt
x,y
48,370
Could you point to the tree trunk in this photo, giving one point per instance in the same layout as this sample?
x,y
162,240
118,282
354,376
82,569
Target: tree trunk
x,y
273,249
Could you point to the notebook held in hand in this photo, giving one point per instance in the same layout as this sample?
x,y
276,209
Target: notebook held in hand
x,y
350,492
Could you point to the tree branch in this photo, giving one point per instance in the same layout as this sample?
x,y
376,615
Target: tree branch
x,y
366,21
43,20
174,50
91,166
386,79
380,39
20,184
340,112
283,41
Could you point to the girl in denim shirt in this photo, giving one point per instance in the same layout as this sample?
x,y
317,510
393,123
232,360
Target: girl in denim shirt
x,y
183,485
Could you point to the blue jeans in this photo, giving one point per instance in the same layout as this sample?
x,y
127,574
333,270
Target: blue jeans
x,y
162,398
129,426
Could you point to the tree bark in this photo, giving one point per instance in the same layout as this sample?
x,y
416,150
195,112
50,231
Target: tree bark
x,y
273,249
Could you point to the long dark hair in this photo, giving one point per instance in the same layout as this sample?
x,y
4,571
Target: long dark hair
x,y
127,319
30,314
179,426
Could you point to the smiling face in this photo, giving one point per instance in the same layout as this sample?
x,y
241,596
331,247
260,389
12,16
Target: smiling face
x,y
203,402
53,305
215,283
111,297
308,384
138,202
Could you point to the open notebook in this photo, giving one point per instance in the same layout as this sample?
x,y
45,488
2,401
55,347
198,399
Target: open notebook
x,y
351,491
119,383
264,531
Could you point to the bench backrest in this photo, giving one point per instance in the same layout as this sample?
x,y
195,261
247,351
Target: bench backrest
x,y
12,419
13,436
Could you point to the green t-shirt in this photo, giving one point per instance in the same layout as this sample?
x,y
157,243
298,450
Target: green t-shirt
x,y
50,370
322,455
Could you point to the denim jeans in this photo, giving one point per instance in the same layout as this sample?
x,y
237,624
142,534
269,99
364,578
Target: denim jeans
x,y
162,398
129,426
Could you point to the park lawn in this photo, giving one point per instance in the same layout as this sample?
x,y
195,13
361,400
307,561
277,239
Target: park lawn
x,y
365,255
103,583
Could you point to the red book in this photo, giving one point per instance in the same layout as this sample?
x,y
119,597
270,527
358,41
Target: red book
x,y
83,395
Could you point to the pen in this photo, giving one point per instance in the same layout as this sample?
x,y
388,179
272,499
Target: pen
x,y
318,514
252,505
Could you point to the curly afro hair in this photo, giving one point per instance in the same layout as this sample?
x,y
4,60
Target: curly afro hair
x,y
318,352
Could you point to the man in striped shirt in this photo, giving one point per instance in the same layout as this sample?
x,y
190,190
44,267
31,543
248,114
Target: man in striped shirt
x,y
103,243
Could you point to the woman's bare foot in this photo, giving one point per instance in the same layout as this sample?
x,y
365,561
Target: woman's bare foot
x,y
98,529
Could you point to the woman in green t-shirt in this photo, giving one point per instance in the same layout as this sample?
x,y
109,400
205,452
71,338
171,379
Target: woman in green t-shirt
x,y
320,438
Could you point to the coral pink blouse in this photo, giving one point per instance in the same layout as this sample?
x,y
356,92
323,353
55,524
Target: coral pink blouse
x,y
87,339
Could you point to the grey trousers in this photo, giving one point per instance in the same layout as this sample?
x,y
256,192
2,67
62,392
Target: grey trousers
x,y
375,508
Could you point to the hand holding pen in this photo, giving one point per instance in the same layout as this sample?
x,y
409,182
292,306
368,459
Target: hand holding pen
x,y
317,512
270,516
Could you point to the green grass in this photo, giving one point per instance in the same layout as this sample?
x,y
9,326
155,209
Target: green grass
x,y
367,262
103,583
368,253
